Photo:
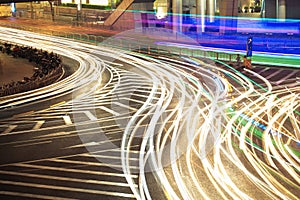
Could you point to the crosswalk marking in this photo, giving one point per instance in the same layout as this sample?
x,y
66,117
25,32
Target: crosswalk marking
x,y
69,171
38,124
90,115
286,77
274,74
109,110
137,101
9,129
294,84
263,70
125,106
67,119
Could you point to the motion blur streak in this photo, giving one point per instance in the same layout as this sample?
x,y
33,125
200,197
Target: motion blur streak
x,y
203,130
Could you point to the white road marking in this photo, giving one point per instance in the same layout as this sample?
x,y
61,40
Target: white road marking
x,y
54,187
38,124
83,145
71,170
99,164
286,77
57,104
31,144
9,129
64,178
109,110
36,196
67,119
108,156
274,74
90,115
24,114
54,134
263,70
125,106
92,143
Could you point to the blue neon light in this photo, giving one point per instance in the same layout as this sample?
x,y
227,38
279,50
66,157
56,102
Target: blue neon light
x,y
13,7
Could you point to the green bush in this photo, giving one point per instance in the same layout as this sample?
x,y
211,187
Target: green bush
x,y
252,9
257,9
69,5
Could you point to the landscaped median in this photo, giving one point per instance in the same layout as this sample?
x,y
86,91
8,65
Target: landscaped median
x,y
277,60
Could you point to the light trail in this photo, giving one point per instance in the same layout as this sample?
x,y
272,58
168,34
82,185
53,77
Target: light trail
x,y
200,130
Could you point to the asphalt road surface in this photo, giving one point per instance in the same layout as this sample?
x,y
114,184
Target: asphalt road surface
x,y
133,126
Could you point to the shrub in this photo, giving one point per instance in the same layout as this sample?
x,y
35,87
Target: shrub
x,y
90,6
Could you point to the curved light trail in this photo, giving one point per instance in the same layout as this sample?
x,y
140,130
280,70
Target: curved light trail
x,y
199,130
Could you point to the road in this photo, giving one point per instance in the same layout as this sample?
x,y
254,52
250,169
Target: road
x,y
132,126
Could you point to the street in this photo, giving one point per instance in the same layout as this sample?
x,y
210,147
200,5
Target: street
x,y
126,125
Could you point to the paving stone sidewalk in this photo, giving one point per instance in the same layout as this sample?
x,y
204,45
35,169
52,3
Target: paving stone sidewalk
x,y
57,26
14,69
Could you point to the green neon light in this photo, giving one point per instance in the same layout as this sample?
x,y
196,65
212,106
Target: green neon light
x,y
257,133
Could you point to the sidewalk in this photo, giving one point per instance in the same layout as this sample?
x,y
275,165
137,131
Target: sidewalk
x,y
57,26
14,69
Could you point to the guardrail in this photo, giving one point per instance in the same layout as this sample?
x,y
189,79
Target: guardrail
x,y
31,85
131,46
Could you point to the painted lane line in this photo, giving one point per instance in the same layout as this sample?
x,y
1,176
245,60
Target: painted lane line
x,y
54,187
95,152
35,196
70,170
23,114
54,134
58,104
92,143
99,164
111,157
89,144
64,178
31,144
